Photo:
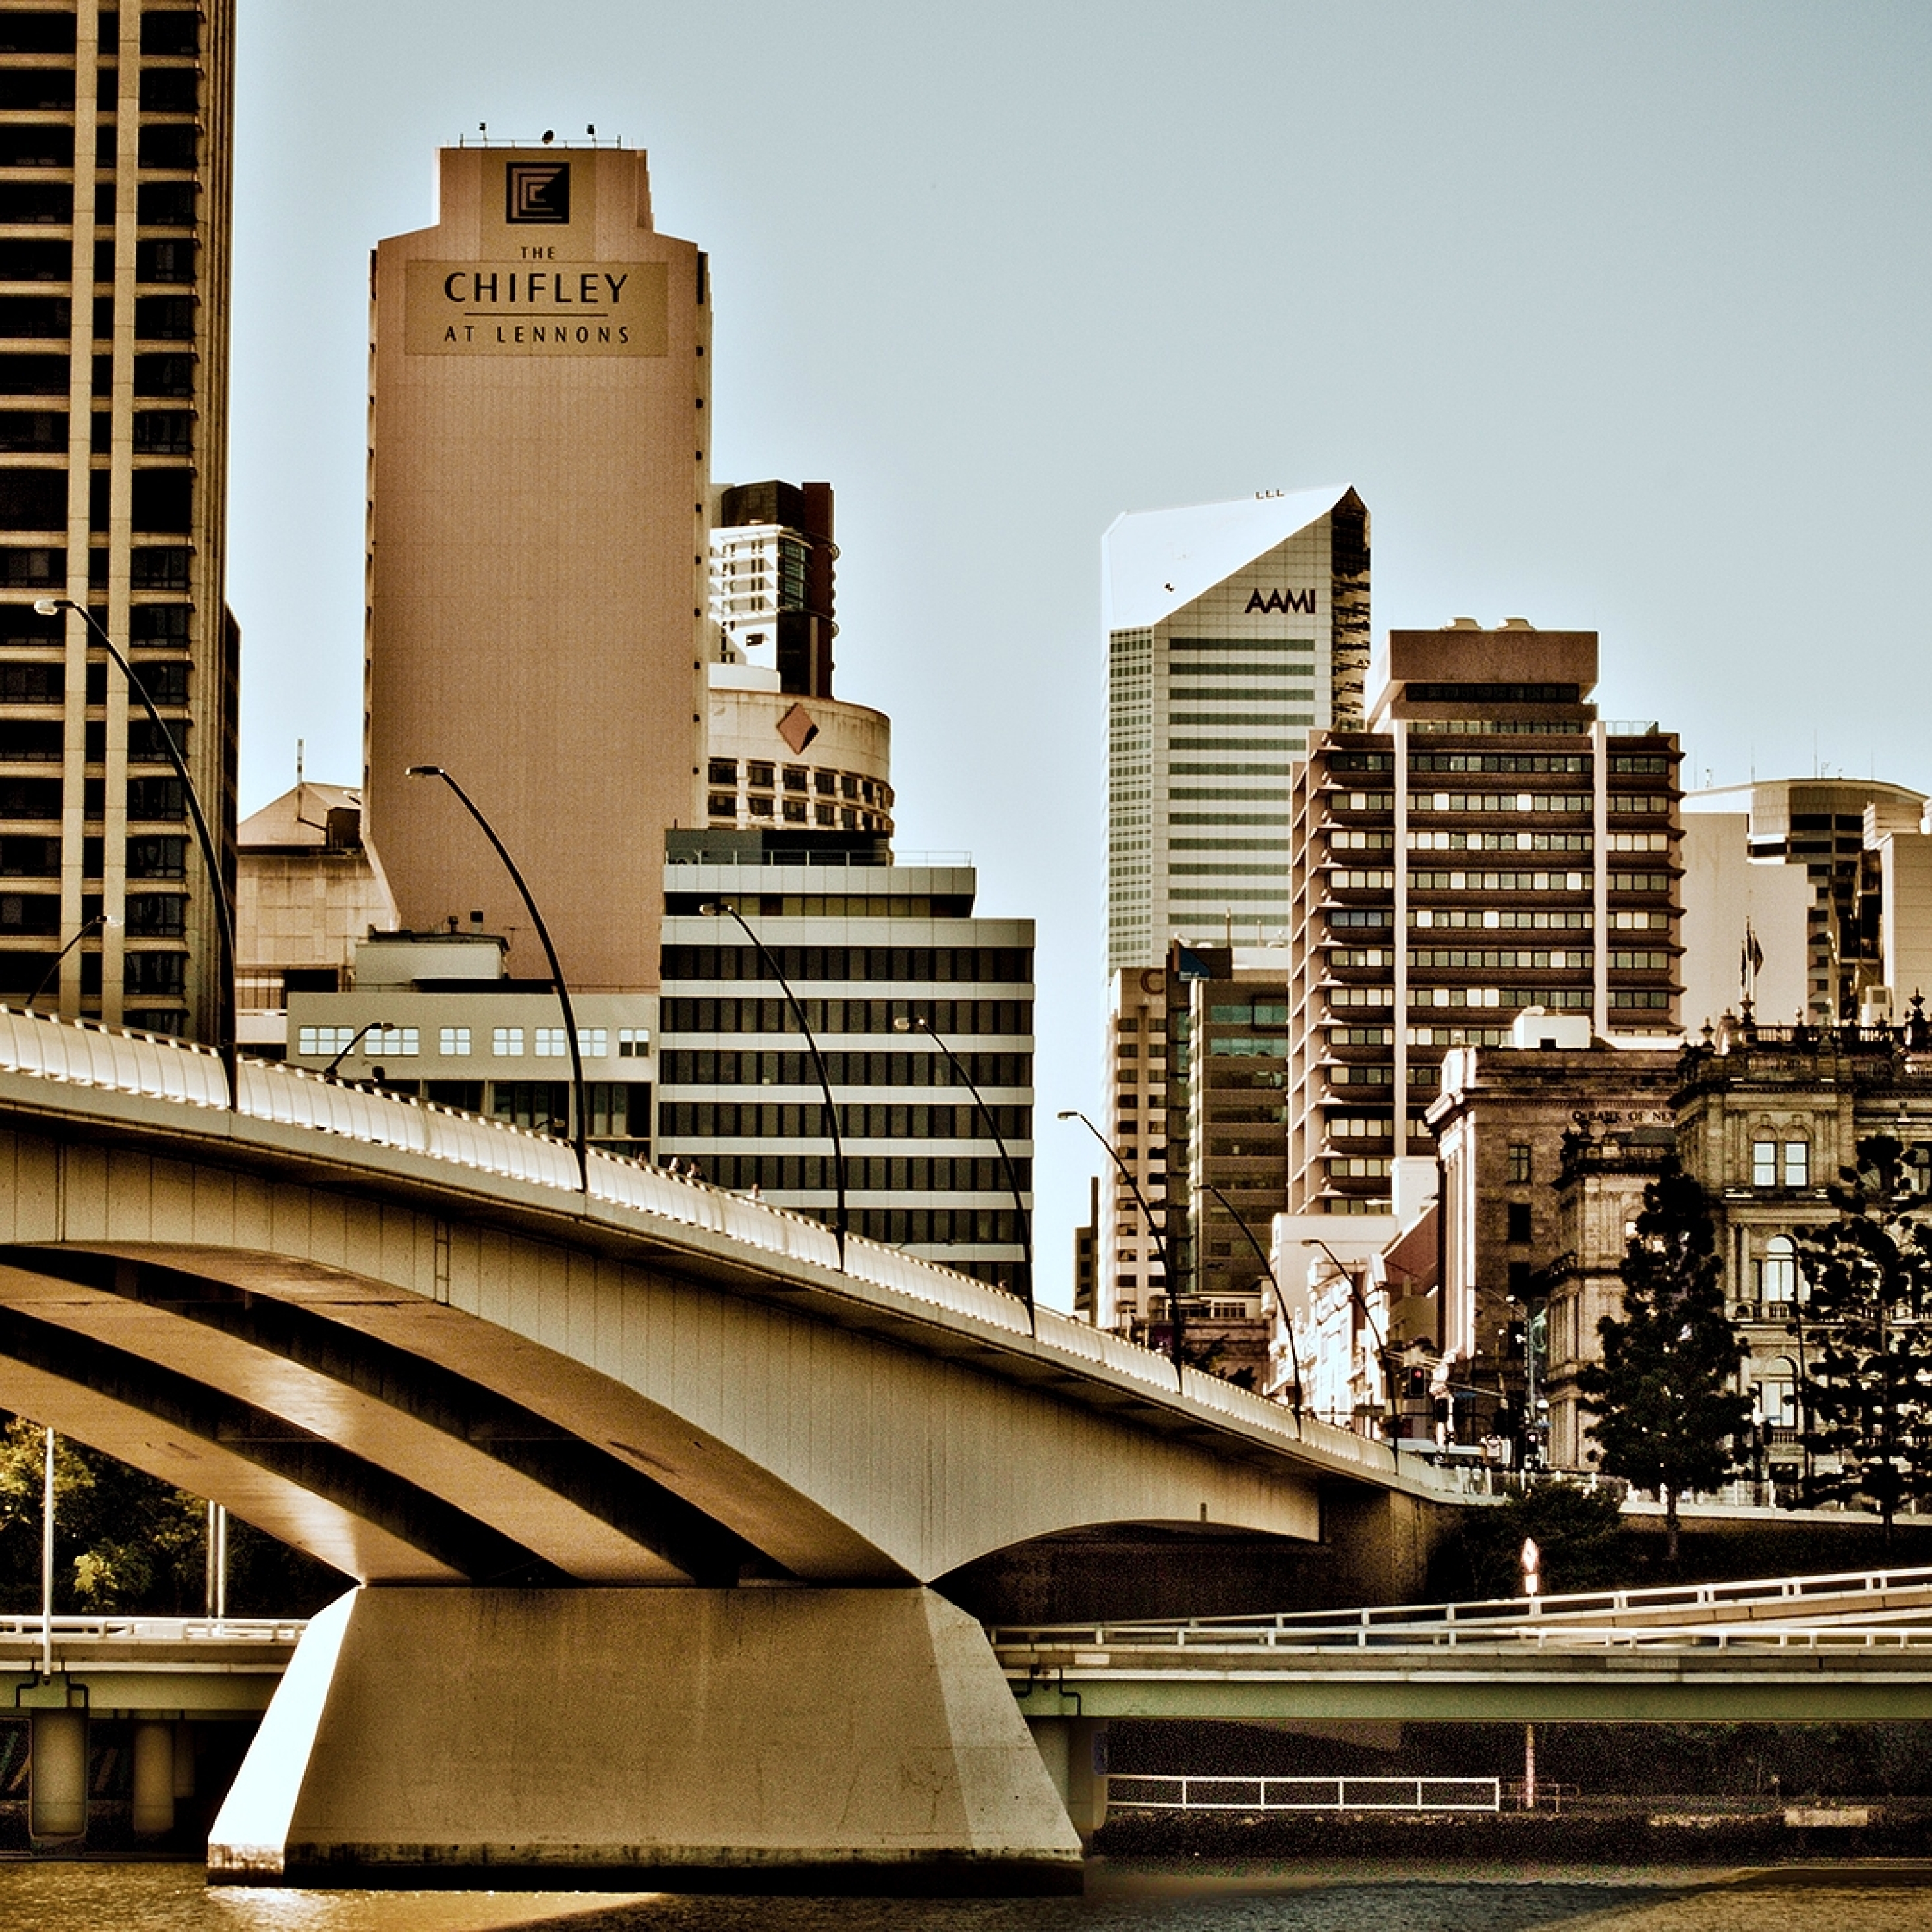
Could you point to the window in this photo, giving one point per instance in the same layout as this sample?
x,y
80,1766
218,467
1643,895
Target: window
x,y
1519,1222
633,1042
402,1043
1764,1163
1778,1272
1798,1163
1519,1161
594,1043
453,1040
552,1043
506,1043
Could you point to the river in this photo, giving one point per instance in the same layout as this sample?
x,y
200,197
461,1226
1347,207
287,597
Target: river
x,y
1121,1898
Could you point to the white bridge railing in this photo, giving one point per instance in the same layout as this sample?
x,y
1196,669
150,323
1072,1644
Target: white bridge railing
x,y
129,1628
157,1067
1139,1792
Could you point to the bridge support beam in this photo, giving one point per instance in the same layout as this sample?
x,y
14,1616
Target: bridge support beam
x,y
1074,1750
754,1739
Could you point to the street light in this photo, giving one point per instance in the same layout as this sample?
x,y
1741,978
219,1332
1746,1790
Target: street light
x,y
712,909
217,883
914,1024
98,923
578,1137
328,1071
1176,1340
1281,1301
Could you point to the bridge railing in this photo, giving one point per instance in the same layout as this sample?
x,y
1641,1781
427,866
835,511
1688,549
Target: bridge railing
x,y
157,1066
1161,1792
128,1628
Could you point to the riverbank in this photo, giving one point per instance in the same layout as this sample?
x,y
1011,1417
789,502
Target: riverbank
x,y
1648,1832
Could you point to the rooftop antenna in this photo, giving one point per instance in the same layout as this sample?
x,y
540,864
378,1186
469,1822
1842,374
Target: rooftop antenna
x,y
590,128
299,764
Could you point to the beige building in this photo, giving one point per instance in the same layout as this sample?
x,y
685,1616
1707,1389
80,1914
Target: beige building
x,y
307,890
539,548
113,462
775,761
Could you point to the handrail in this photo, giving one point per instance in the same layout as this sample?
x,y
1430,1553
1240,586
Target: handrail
x,y
160,1067
1300,1794
136,1627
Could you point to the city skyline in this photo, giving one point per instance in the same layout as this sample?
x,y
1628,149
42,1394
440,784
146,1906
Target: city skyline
x,y
1586,366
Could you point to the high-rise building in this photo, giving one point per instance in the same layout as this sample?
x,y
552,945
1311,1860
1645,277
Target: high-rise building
x,y
865,945
114,236
539,554
1487,845
772,555
1234,630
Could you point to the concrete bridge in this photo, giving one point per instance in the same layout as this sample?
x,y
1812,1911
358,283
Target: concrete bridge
x,y
639,1471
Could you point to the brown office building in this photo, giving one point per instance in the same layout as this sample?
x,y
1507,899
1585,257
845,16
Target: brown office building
x,y
1487,844
113,447
539,548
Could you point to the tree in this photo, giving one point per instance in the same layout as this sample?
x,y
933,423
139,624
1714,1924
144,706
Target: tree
x,y
1669,1416
1866,1380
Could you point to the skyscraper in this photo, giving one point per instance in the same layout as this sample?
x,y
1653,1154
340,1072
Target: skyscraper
x,y
114,224
1487,844
538,551
1233,631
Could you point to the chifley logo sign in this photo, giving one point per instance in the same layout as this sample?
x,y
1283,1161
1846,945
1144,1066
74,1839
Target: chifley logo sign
x,y
1283,600
535,306
537,194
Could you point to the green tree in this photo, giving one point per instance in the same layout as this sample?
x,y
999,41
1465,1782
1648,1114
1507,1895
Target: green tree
x,y
1668,1415
1866,1326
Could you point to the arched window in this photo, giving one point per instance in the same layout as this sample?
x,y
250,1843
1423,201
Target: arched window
x,y
1778,1272
1778,1396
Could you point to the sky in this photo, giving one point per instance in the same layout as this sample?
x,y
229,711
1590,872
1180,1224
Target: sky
x,y
1616,316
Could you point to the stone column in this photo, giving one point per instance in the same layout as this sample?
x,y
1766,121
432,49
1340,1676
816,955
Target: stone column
x,y
154,1778
58,1806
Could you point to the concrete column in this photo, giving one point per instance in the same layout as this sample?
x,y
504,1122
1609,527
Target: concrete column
x,y
184,1780
749,1740
1087,1775
154,1778
58,1805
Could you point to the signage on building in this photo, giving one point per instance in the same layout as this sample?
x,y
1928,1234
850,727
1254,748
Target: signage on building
x,y
1283,600
536,308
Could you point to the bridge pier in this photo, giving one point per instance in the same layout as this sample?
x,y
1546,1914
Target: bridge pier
x,y
757,1739
1074,1750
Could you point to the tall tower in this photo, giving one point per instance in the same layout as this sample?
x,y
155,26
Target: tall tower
x,y
113,459
1235,632
538,551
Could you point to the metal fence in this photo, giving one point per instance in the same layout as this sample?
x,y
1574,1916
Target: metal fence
x,y
1161,1792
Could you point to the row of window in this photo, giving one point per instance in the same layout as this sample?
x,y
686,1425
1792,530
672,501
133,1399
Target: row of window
x,y
149,799
915,965
865,1173
1502,841
946,1017
33,741
506,1043
143,915
44,681
28,856
157,204
858,1121
684,1067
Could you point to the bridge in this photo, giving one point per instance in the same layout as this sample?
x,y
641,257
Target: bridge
x,y
556,1429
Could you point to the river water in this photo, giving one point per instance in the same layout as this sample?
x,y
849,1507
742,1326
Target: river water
x,y
1121,1898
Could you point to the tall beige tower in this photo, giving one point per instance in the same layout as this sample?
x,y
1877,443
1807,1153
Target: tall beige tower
x,y
115,166
537,551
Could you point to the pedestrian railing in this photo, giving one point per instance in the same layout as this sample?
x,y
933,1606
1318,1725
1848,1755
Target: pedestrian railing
x,y
1160,1792
126,1627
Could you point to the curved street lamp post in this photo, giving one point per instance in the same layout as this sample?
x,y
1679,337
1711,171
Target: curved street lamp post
x,y
361,1033
1176,1319
100,922
712,909
217,883
1280,1301
579,1136
914,1024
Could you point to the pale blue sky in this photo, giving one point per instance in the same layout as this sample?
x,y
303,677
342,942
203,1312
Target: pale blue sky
x,y
1616,315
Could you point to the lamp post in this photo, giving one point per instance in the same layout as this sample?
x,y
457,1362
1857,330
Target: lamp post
x,y
1280,1300
217,883
98,923
914,1024
579,1136
1176,1339
713,909
361,1033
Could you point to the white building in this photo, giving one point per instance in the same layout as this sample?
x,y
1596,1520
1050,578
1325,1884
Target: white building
x,y
1233,631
